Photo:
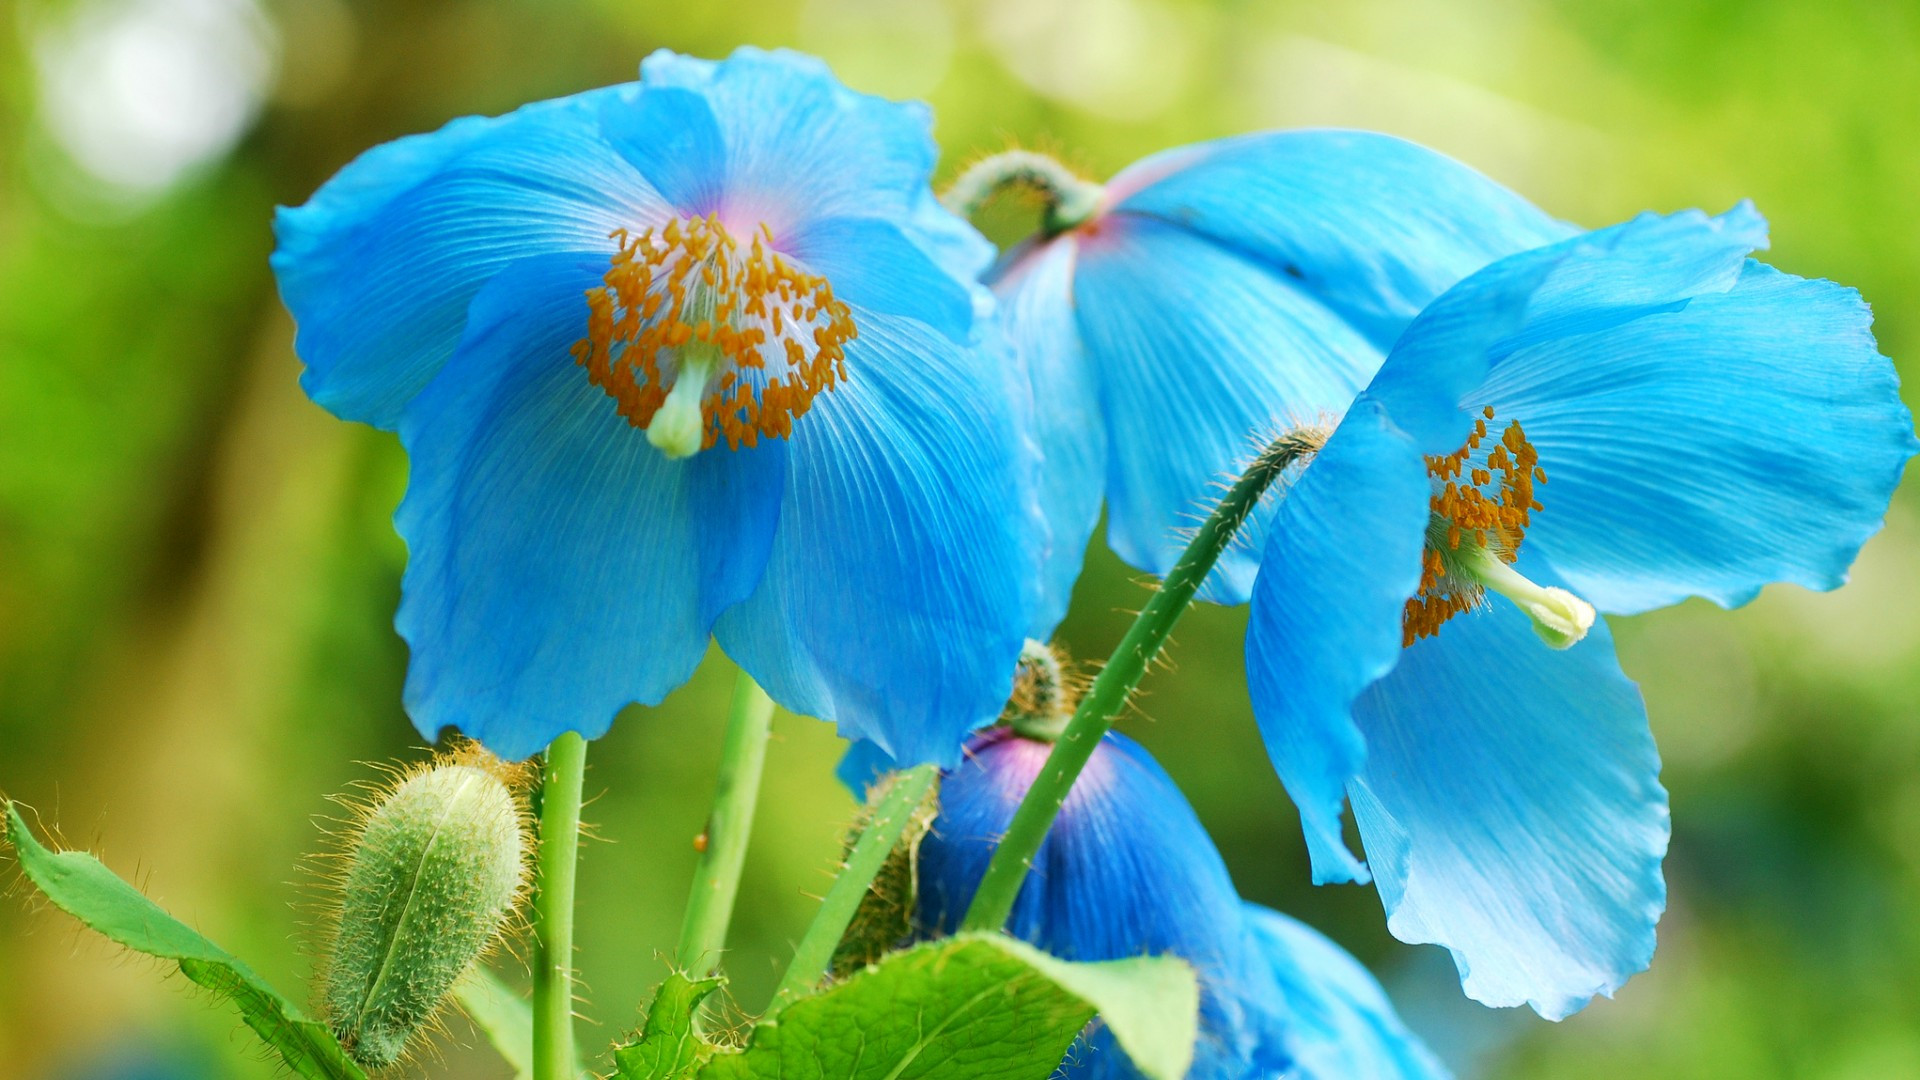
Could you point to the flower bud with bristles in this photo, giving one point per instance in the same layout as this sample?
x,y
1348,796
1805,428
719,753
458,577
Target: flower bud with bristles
x,y
1045,693
433,871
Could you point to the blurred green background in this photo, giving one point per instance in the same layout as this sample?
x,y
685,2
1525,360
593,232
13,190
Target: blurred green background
x,y
197,570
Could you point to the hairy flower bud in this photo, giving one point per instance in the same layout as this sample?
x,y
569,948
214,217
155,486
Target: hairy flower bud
x,y
433,869
1045,693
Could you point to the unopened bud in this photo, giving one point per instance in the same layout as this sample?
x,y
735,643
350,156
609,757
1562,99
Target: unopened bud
x,y
1045,694
433,871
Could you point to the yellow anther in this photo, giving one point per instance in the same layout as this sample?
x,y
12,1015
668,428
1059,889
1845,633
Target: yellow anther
x,y
740,341
1477,524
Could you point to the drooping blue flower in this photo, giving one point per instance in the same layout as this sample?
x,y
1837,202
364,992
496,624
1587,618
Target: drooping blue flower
x,y
1127,870
688,356
1613,422
1217,290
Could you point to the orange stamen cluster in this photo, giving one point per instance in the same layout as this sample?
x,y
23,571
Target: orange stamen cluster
x,y
778,329
1485,501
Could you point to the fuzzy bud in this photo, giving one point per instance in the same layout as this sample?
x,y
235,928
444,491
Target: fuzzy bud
x,y
433,871
1045,693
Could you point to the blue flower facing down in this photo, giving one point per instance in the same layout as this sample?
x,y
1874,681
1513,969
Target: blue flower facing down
x,y
1127,870
1611,423
1217,290
691,356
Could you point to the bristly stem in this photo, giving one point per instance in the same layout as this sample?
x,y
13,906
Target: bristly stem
x,y
884,829
1069,199
563,774
1108,696
717,879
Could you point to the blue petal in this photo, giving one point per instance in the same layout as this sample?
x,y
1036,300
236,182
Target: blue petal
x,y
896,599
799,146
1511,809
379,266
1127,870
871,263
1037,316
1339,1023
671,137
1370,226
1447,351
1649,264
862,766
1750,436
1341,560
1198,351
1430,382
560,567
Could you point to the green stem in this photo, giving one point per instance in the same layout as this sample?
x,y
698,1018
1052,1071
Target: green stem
x,y
993,902
562,776
1069,199
729,824
889,821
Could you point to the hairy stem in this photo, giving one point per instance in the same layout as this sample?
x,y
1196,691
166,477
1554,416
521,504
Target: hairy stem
x,y
1069,199
562,775
869,854
993,902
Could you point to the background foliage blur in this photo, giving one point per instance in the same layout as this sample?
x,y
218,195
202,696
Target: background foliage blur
x,y
197,571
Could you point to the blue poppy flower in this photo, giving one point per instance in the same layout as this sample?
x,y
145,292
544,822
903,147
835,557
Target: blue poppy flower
x,y
1656,416
1128,870
1214,291
694,355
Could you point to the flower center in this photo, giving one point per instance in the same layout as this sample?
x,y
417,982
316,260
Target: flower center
x,y
1483,501
698,339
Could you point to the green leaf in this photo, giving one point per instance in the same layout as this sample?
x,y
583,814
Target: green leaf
x,y
81,886
668,1047
1150,1003
975,1007
504,1017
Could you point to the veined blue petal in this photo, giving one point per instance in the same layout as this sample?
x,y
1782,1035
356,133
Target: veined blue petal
x,y
1652,263
798,145
1037,318
1127,870
1750,436
1511,809
379,266
559,566
896,599
1339,1023
1197,351
872,264
1430,382
1370,226
671,137
1341,560
1447,351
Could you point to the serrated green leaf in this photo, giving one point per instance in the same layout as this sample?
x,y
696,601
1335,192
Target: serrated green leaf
x,y
975,1007
78,884
504,1017
668,1047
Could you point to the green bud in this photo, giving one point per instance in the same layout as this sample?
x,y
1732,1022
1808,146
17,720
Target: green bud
x,y
1045,693
433,871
